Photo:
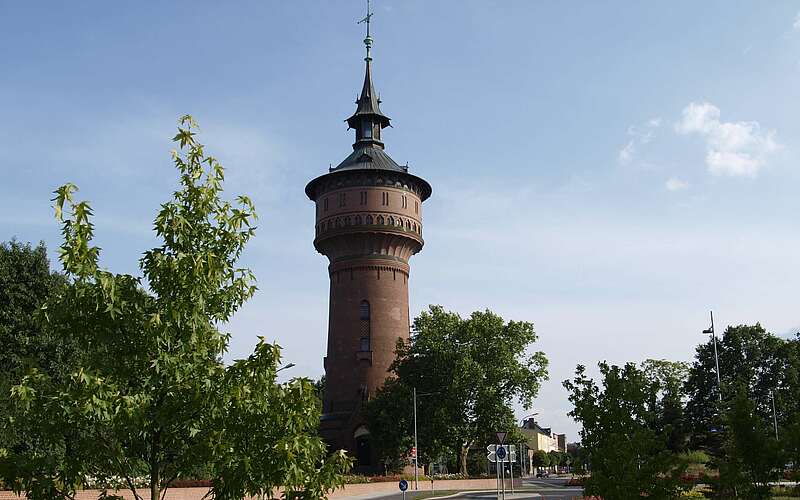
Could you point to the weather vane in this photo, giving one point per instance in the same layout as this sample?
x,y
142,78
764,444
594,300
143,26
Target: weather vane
x,y
367,19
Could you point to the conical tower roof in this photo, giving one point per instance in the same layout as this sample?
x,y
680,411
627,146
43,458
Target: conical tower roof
x,y
368,103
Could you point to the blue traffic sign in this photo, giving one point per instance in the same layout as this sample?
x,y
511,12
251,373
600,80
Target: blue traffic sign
x,y
501,452
403,485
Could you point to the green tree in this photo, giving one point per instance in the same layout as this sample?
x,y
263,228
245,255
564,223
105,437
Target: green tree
x,y
752,456
627,452
151,395
26,283
471,368
669,379
541,459
556,460
750,358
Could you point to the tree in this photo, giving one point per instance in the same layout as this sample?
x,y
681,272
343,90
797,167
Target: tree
x,y
669,378
750,358
151,395
752,456
472,368
627,452
540,459
26,283
556,459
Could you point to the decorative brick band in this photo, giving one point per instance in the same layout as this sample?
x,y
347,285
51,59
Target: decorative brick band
x,y
381,221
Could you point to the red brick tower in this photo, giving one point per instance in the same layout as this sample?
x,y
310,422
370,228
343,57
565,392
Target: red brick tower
x,y
368,224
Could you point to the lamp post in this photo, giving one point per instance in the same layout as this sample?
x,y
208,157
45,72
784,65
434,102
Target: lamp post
x,y
523,454
716,356
416,448
774,414
290,365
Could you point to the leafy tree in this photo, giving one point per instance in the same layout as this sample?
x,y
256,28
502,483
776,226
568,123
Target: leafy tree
x,y
151,395
669,379
627,451
749,358
540,459
471,369
26,283
752,456
387,415
556,459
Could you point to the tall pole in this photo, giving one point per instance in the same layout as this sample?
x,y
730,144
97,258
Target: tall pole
x,y
511,469
503,477
774,415
497,473
716,357
416,450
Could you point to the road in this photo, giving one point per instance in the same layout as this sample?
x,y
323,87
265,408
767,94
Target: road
x,y
546,489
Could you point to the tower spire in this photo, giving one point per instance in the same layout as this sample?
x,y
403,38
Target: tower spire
x,y
368,120
368,39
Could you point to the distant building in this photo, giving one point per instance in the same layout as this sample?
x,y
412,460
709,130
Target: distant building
x,y
541,439
562,442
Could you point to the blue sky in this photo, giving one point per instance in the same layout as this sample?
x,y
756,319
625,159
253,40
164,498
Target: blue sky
x,y
609,171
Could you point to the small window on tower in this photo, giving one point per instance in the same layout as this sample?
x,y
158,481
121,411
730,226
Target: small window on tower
x,y
325,204
367,130
363,197
363,311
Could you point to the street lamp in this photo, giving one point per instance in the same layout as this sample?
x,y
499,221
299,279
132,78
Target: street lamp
x,y
774,414
416,449
523,455
290,365
716,356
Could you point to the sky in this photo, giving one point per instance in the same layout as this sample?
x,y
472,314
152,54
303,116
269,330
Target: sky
x,y
609,171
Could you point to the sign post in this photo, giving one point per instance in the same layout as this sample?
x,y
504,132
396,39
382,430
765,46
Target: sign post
x,y
501,455
511,461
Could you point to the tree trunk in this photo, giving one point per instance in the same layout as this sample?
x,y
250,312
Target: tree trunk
x,y
155,473
463,465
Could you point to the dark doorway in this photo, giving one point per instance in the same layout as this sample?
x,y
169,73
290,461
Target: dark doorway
x,y
363,450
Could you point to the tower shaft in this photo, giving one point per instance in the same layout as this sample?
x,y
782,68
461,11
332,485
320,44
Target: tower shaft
x,y
368,224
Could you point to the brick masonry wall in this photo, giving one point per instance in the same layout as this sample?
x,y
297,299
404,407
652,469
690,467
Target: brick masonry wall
x,y
350,490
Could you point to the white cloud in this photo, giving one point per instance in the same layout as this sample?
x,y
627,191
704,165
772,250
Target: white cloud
x,y
732,148
654,122
626,153
639,135
675,184
797,22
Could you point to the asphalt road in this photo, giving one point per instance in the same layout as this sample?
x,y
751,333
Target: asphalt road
x,y
547,489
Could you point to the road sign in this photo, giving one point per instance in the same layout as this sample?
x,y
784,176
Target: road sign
x,y
403,485
500,452
511,453
501,437
414,452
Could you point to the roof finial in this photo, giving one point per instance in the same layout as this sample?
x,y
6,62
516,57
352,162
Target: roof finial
x,y
368,39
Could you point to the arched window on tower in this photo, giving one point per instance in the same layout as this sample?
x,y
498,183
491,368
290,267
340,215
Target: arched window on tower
x,y
364,320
